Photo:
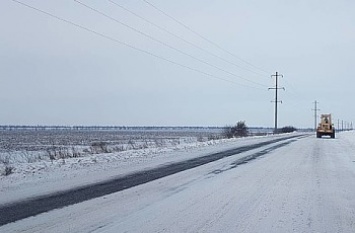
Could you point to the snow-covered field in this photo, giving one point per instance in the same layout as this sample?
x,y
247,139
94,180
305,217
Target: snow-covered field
x,y
306,186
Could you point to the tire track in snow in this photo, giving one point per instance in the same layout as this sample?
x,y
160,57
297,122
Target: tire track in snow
x,y
31,207
249,158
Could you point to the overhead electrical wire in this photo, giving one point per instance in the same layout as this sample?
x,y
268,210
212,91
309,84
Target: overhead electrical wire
x,y
203,37
182,39
291,86
165,44
131,46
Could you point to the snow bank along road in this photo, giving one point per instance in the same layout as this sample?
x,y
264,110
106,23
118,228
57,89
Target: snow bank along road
x,y
299,184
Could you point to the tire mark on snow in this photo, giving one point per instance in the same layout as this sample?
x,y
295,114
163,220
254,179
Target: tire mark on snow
x,y
249,158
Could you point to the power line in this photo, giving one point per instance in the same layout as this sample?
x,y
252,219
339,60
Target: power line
x,y
291,86
202,37
165,44
180,38
128,45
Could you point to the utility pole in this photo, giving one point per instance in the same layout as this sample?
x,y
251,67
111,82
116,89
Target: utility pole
x,y
315,114
276,88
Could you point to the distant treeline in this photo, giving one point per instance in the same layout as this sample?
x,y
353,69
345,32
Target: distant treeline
x,y
116,128
108,128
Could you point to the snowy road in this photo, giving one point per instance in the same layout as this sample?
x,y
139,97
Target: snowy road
x,y
306,185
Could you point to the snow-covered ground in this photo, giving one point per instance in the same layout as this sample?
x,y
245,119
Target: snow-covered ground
x,y
45,176
306,186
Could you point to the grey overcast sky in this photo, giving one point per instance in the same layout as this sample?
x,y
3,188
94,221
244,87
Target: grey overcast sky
x,y
55,73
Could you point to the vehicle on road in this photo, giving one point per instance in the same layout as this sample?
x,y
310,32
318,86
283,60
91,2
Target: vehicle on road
x,y
325,127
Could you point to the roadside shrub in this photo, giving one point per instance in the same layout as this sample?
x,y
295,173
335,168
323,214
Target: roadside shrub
x,y
75,153
118,148
8,170
239,130
132,144
6,162
62,152
160,142
214,137
200,138
145,144
51,152
287,129
99,147
5,159
227,131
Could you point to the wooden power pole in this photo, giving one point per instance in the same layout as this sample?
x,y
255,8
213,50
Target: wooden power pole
x,y
315,114
276,101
